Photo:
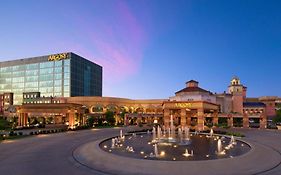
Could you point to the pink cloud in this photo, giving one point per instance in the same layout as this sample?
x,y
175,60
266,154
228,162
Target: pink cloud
x,y
115,40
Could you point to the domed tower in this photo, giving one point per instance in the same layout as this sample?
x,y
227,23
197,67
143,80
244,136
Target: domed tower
x,y
238,92
235,85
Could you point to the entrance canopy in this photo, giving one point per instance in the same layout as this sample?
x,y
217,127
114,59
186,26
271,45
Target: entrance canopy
x,y
188,109
69,109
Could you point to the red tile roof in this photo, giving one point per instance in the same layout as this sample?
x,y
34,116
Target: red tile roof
x,y
192,81
193,89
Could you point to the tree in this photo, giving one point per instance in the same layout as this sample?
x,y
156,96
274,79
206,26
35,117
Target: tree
x,y
277,119
109,117
90,121
122,116
4,124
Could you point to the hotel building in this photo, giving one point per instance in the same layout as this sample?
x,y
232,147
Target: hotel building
x,y
58,75
68,88
191,106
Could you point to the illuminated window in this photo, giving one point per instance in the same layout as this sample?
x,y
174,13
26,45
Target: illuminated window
x,y
47,64
67,62
58,63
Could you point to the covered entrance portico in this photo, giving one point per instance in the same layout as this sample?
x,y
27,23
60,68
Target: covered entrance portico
x,y
184,111
71,113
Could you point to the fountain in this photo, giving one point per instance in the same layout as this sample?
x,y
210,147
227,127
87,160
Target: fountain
x,y
113,143
121,135
173,132
157,146
169,133
187,154
231,143
211,133
130,149
156,150
186,132
220,150
232,140
153,134
180,135
159,132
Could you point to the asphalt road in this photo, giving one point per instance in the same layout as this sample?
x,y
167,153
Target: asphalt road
x,y
48,154
52,154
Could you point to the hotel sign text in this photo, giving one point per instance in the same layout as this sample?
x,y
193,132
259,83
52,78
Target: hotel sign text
x,y
58,57
183,105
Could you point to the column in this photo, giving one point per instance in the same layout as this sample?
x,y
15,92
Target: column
x,y
81,119
84,119
188,116
245,121
126,119
200,119
215,118
183,117
78,119
25,119
229,120
59,119
19,119
167,118
22,120
139,119
150,119
71,120
56,119
263,121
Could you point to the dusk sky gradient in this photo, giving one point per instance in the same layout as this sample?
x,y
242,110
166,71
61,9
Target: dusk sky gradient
x,y
150,48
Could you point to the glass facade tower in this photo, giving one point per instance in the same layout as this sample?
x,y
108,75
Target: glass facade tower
x,y
60,75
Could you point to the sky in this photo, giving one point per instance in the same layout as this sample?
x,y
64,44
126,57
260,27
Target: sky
x,y
150,48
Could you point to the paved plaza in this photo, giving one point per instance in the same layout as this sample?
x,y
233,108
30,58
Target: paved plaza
x,y
72,153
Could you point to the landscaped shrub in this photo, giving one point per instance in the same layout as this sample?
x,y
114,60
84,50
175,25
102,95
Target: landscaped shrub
x,y
4,124
277,119
237,134
109,117
31,133
12,133
20,133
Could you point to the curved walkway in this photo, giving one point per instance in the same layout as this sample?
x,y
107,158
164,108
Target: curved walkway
x,y
67,153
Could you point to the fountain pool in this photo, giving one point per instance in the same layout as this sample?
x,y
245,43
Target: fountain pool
x,y
159,146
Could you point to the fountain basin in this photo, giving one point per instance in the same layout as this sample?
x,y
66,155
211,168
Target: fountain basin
x,y
203,147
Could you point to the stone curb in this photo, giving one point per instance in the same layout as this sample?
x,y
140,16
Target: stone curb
x,y
259,159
